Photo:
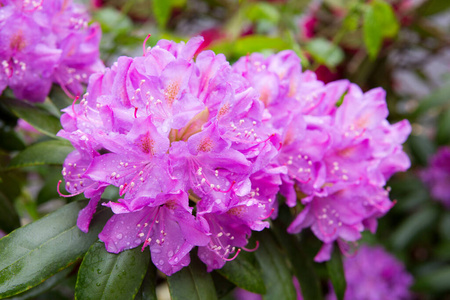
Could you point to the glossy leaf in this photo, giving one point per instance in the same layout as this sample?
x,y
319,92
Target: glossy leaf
x,y
43,153
325,52
105,275
302,266
45,286
276,274
336,272
35,252
244,274
148,286
192,280
40,119
263,11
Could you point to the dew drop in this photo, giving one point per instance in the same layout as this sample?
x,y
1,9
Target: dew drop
x,y
137,241
170,254
119,236
161,262
98,284
99,271
156,250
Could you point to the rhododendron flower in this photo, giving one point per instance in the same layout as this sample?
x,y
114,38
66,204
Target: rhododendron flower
x,y
437,176
45,42
374,274
185,143
337,146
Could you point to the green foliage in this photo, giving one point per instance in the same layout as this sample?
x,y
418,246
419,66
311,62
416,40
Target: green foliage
x,y
336,272
325,52
379,23
35,252
105,275
193,281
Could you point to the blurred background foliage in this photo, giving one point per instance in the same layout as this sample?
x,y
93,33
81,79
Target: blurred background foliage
x,y
400,45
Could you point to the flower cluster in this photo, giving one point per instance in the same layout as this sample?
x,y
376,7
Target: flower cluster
x,y
337,146
200,149
184,142
437,176
42,42
374,274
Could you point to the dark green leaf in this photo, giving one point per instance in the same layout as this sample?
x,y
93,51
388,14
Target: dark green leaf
x,y
276,275
436,281
244,274
45,286
443,129
437,98
9,140
33,253
325,52
302,266
432,7
105,275
148,286
412,226
9,219
336,273
222,285
43,153
192,280
42,120
421,148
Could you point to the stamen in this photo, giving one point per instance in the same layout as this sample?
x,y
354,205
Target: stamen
x,y
145,42
254,249
234,257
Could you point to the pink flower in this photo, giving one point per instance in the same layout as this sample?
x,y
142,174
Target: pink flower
x,y
43,43
374,274
338,149
185,143
437,176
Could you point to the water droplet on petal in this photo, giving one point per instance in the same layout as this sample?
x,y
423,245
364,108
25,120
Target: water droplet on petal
x,y
119,236
156,250
161,262
170,254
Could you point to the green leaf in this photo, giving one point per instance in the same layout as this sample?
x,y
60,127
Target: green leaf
x,y
105,275
437,98
45,286
244,274
435,281
432,7
263,11
421,148
40,119
192,281
161,11
112,20
276,274
302,266
43,153
336,273
9,139
258,43
148,286
443,129
9,219
379,22
410,228
35,252
325,52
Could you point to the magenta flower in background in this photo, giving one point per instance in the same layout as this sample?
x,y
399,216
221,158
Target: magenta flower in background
x,y
184,142
437,176
45,42
336,144
374,274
